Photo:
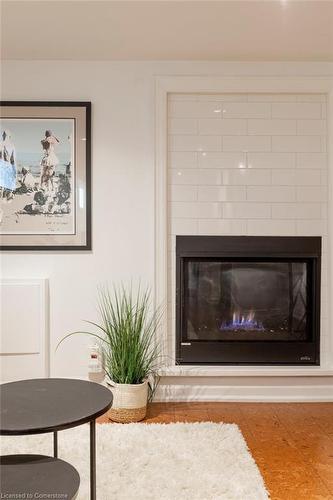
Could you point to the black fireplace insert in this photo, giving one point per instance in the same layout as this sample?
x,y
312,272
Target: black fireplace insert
x,y
248,300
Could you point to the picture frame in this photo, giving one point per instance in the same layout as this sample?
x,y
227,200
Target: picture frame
x,y
45,175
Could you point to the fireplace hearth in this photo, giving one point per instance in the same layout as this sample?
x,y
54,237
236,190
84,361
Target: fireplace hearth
x,y
248,300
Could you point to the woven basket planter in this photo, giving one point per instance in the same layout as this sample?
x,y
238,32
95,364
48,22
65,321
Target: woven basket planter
x,y
129,402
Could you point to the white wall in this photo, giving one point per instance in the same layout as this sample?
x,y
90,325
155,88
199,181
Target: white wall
x,y
123,193
122,96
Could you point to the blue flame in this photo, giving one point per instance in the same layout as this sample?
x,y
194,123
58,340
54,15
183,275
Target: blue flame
x,y
242,322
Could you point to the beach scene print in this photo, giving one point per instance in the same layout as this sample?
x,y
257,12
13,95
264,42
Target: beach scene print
x,y
37,176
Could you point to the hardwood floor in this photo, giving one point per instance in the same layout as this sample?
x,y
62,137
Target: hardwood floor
x,y
292,443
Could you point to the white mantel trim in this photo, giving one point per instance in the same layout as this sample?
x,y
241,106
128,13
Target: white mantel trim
x,y
219,84
244,371
254,393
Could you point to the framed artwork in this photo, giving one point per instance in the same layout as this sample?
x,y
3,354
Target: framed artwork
x,y
45,175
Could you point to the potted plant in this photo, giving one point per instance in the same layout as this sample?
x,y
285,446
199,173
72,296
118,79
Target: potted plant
x,y
130,350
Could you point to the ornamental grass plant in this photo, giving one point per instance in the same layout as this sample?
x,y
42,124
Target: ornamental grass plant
x,y
127,334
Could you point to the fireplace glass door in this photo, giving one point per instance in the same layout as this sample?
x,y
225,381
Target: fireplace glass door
x,y
239,300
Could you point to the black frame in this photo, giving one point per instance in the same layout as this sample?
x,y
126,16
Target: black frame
x,y
88,245
249,352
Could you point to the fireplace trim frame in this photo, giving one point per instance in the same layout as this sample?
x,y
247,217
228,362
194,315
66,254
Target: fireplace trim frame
x,y
271,247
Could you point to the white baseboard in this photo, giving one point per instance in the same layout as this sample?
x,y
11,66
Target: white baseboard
x,y
309,392
244,389
273,389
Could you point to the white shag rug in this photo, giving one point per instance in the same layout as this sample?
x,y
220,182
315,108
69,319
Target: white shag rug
x,y
181,461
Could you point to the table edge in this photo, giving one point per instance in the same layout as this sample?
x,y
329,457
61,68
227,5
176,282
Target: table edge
x,y
54,428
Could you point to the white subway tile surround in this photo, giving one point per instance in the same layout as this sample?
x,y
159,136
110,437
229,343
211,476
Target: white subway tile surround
x,y
246,164
257,159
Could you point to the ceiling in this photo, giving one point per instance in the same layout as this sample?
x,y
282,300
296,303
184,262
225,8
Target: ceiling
x,y
276,30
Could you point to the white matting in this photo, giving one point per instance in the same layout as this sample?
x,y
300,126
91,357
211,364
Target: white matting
x,y
194,461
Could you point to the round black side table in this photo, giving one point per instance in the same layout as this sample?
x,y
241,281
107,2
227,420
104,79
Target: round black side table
x,y
39,406
22,476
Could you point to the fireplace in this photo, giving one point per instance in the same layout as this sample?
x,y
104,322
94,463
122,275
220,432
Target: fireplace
x,y
247,300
